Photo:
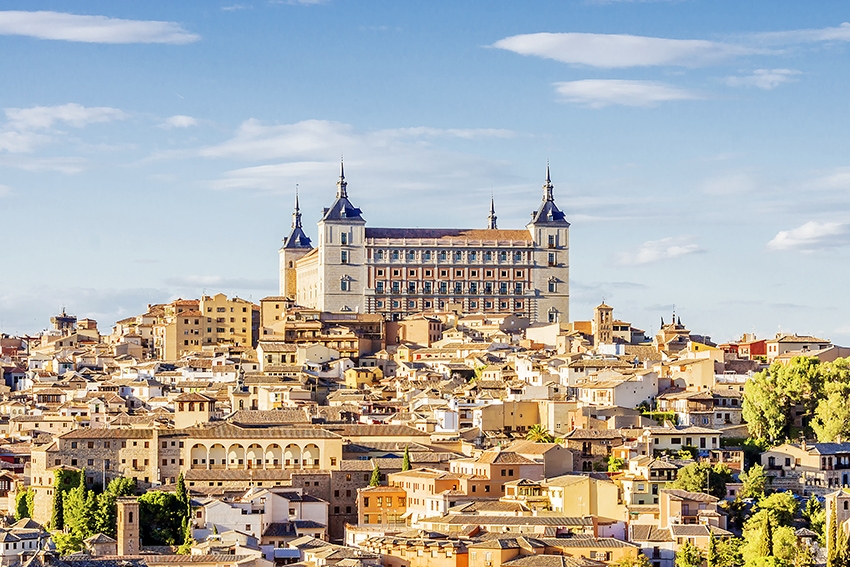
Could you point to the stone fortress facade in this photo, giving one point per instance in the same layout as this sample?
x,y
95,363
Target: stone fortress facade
x,y
402,271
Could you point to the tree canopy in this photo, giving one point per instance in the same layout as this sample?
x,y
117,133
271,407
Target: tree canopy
x,y
538,434
703,477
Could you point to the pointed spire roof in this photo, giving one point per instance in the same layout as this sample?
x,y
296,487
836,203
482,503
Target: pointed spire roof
x,y
548,212
342,209
296,238
491,220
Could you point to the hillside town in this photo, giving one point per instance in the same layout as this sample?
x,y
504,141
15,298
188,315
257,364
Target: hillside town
x,y
216,431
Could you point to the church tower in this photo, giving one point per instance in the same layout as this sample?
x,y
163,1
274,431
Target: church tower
x,y
129,542
342,254
603,325
551,234
295,246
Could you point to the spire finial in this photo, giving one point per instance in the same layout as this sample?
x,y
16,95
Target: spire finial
x,y
491,220
296,214
547,186
341,185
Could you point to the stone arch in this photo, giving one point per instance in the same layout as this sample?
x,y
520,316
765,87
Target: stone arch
x,y
311,456
198,455
218,456
274,456
292,456
254,456
236,456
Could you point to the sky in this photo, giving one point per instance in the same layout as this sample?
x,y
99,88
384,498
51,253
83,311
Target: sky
x,y
151,150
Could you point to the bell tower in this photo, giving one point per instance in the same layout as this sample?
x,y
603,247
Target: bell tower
x,y
129,542
551,277
295,246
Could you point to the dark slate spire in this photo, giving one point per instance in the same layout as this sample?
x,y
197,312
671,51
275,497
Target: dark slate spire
x,y
342,209
296,238
548,212
341,185
491,220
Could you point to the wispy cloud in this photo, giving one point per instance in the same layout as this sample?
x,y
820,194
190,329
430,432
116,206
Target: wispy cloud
x,y
811,35
27,128
656,250
179,121
620,50
72,114
91,29
5,190
766,79
598,93
812,236
234,7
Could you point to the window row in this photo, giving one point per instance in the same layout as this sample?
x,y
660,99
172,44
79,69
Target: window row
x,y
455,255
446,273
444,288
487,304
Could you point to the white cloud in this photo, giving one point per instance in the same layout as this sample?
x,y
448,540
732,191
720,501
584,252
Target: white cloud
x,y
657,250
838,179
5,190
598,93
234,7
812,236
91,29
766,79
179,121
840,33
72,114
620,50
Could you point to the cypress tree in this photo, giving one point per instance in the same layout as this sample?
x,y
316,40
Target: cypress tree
x,y
376,476
405,462
832,556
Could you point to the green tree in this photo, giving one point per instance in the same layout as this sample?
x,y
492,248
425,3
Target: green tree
x,y
832,555
711,554
832,414
376,476
180,490
23,504
638,561
161,518
538,434
405,461
615,464
688,555
67,544
782,505
770,396
815,516
728,552
754,482
703,477
63,481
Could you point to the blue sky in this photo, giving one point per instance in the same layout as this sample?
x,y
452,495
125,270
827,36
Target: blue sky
x,y
150,150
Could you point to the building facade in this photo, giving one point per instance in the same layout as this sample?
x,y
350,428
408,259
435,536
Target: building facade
x,y
401,271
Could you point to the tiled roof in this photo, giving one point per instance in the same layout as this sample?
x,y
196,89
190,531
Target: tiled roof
x,y
450,234
231,431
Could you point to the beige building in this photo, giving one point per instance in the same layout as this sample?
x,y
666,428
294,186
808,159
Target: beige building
x,y
397,271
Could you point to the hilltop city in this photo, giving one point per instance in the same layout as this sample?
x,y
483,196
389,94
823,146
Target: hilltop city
x,y
419,398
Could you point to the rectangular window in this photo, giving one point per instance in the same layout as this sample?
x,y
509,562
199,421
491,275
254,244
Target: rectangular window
x,y
379,287
552,259
426,287
458,288
473,287
343,238
411,287
426,255
395,287
343,257
343,285
394,255
517,288
444,288
379,255
443,255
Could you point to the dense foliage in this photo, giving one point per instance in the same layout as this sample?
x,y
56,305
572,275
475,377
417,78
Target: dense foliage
x,y
815,391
